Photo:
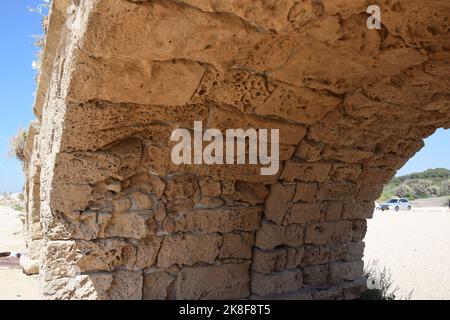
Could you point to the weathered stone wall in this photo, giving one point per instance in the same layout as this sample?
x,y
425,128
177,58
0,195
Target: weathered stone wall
x,y
111,217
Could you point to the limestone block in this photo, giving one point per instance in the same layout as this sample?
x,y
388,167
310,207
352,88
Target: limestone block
x,y
80,287
297,104
334,190
147,250
227,281
278,202
305,192
149,183
345,271
333,211
126,285
308,151
210,188
328,232
315,255
358,210
346,171
121,204
228,187
157,285
73,225
68,258
189,249
141,201
305,212
103,219
346,154
125,80
237,245
277,282
184,23
113,185
359,229
271,235
208,202
289,133
353,290
180,188
181,206
160,212
71,197
315,275
230,92
350,251
127,225
294,257
252,193
332,293
219,220
29,265
269,261
260,13
305,171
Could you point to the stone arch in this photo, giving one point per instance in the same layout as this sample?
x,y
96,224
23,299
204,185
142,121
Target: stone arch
x,y
352,105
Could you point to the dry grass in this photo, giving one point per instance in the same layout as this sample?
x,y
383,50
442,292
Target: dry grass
x,y
17,145
380,284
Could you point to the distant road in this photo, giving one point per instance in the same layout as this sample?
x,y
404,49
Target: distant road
x,y
431,202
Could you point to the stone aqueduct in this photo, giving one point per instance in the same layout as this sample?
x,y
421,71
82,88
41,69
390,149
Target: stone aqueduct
x,y
111,217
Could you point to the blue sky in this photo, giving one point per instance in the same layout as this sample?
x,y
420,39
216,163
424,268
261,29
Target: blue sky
x,y
17,85
435,154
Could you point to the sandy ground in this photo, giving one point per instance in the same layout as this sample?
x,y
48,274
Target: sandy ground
x,y
13,283
431,202
415,246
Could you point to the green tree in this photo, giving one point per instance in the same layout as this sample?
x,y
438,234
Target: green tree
x,y
445,188
404,191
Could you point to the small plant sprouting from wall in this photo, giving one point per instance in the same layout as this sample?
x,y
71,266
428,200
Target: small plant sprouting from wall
x,y
42,9
17,145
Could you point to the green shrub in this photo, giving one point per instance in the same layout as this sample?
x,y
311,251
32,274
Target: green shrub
x,y
445,188
404,191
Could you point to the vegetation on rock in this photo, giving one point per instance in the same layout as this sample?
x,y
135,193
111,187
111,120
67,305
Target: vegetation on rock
x,y
17,145
39,42
427,184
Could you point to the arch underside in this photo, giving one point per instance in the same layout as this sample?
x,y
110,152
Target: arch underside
x,y
120,221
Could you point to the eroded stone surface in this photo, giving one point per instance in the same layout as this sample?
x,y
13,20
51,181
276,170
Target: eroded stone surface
x,y
111,217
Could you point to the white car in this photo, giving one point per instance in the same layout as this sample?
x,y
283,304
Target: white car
x,y
396,204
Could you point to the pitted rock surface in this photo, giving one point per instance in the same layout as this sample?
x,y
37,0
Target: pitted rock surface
x,y
111,217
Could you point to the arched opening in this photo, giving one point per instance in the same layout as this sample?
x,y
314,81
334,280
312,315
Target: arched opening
x,y
121,221
412,245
